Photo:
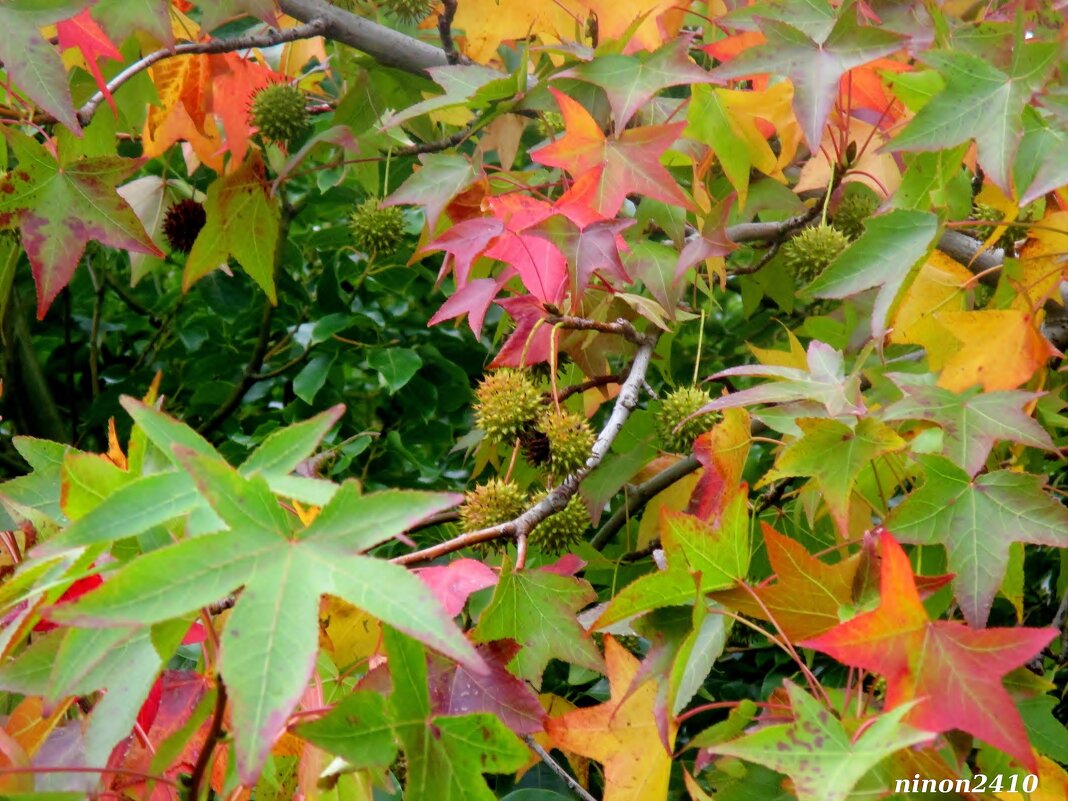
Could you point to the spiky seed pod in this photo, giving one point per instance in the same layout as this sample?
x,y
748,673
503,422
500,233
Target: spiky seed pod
x,y
182,223
550,123
491,504
279,112
506,403
410,12
855,208
535,447
675,435
376,230
810,252
984,211
558,533
570,440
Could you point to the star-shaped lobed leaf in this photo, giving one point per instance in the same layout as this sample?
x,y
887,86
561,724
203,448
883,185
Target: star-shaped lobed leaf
x,y
270,641
815,750
606,170
807,595
976,519
242,221
447,754
630,81
594,248
980,102
60,207
952,672
833,454
971,421
537,609
621,733
813,66
82,31
121,18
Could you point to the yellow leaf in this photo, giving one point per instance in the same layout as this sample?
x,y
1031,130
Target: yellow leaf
x,y
773,105
622,733
991,195
938,287
873,168
348,633
1052,784
1042,261
556,705
795,357
999,349
676,497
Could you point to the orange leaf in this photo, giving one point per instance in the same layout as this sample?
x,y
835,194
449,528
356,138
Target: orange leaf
x,y
1042,261
1000,349
81,31
621,733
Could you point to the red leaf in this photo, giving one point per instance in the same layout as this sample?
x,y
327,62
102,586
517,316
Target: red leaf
x,y
72,593
81,31
473,300
236,80
527,345
454,582
462,244
455,691
953,671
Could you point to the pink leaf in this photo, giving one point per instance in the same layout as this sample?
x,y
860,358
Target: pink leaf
x,y
453,583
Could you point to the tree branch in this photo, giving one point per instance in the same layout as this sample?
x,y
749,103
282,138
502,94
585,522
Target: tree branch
x,y
383,44
312,28
445,31
557,498
622,327
558,769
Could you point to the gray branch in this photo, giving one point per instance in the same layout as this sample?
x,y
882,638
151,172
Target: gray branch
x,y
383,44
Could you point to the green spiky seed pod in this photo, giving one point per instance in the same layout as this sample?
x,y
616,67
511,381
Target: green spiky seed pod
x,y
550,123
570,440
491,504
675,435
410,12
376,230
558,533
983,211
506,402
279,112
810,252
855,208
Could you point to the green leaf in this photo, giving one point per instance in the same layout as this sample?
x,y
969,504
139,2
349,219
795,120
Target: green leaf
x,y
817,753
60,209
87,480
32,63
971,421
833,454
720,553
671,587
243,221
537,609
980,102
446,755
359,730
442,177
976,520
165,432
121,18
283,450
813,66
312,377
395,366
270,640
888,253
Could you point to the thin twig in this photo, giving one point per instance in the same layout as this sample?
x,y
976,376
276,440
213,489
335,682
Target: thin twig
x,y
309,30
452,140
558,497
558,769
445,31
623,328
200,770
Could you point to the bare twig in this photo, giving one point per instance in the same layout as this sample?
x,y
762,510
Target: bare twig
x,y
558,769
622,327
558,497
452,140
196,780
311,29
592,383
445,31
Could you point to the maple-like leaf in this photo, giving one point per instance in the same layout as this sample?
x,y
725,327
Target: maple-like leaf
x,y
453,583
977,519
81,31
980,102
183,85
813,66
807,595
951,671
607,169
833,454
999,349
971,421
218,11
621,733
589,249
242,221
440,178
631,81
60,207
122,18
537,609
722,452
447,754
269,644
815,750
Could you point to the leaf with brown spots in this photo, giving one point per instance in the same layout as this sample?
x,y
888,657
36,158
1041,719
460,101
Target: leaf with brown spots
x,y
60,207
815,750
